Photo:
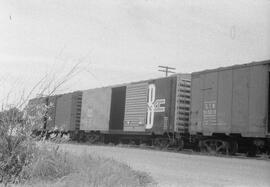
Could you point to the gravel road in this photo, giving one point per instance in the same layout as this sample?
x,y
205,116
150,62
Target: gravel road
x,y
175,169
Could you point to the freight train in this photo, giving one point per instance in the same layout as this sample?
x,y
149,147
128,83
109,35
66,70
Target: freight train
x,y
223,110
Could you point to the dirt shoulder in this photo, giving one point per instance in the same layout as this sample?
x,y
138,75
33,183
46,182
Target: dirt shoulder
x,y
175,169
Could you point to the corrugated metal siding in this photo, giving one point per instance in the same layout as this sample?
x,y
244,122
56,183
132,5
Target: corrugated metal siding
x,y
182,106
136,107
76,110
95,112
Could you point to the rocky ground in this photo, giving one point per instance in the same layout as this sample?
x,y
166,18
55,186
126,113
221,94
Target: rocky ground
x,y
175,169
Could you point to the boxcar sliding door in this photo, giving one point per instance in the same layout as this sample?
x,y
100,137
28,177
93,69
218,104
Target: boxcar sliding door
x,y
117,113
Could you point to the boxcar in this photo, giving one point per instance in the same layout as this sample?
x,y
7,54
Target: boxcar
x,y
68,111
46,106
150,106
146,111
95,111
231,105
137,111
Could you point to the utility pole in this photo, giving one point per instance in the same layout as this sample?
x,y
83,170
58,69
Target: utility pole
x,y
166,69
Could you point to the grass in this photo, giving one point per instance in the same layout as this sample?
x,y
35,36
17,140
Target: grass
x,y
52,167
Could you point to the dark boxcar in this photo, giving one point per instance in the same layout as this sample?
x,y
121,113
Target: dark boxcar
x,y
68,111
95,113
161,105
150,106
232,100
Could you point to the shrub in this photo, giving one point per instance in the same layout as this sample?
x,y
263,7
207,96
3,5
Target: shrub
x,y
17,147
19,119
51,167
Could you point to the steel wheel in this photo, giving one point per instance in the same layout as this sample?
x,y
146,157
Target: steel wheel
x,y
214,146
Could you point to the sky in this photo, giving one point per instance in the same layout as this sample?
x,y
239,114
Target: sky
x,y
125,40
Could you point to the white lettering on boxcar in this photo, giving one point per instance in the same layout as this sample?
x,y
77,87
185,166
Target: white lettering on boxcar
x,y
153,105
209,113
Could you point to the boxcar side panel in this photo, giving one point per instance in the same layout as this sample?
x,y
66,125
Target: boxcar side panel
x,y
95,112
76,110
257,100
196,104
224,103
63,112
164,104
173,88
136,107
240,105
241,101
209,113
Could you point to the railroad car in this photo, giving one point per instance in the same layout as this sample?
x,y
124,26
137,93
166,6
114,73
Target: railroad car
x,y
150,111
67,113
43,108
230,108
220,110
138,112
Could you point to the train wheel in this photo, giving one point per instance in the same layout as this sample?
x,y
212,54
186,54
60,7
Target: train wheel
x,y
92,138
161,143
233,149
214,146
252,151
180,145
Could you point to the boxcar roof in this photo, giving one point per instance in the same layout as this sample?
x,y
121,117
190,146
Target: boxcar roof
x,y
141,81
237,66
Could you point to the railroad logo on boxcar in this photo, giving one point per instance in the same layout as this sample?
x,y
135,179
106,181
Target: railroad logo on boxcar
x,y
153,105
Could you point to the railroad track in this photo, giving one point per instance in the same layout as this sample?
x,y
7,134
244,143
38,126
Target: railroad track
x,y
184,151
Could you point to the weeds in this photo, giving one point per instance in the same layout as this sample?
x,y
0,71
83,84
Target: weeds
x,y
15,146
22,162
52,167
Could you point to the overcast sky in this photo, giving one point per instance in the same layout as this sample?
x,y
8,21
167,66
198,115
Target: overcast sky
x,y
125,40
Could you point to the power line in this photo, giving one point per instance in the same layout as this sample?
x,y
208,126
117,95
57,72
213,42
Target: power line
x,y
166,69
